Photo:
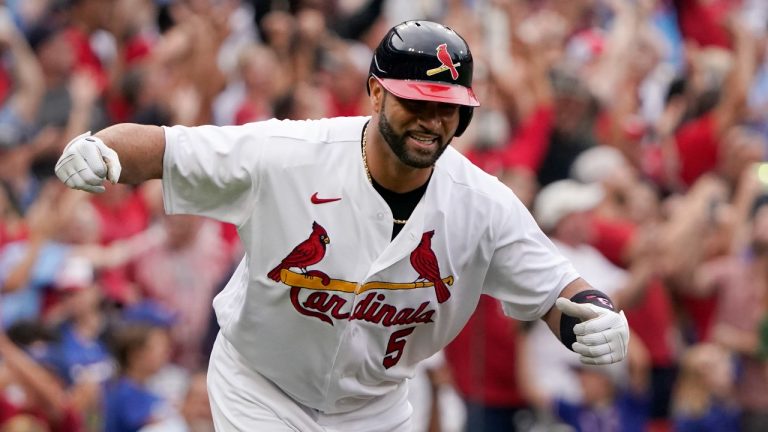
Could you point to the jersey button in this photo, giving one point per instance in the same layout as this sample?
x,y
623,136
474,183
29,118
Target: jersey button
x,y
380,215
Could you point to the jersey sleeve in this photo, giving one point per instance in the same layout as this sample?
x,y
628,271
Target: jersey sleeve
x,y
527,273
213,171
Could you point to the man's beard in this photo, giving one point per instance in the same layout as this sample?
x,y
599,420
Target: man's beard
x,y
413,159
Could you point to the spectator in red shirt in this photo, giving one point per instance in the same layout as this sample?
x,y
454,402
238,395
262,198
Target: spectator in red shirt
x,y
697,230
189,242
12,225
738,279
71,100
259,71
702,21
122,213
343,70
482,360
17,114
698,143
624,229
86,17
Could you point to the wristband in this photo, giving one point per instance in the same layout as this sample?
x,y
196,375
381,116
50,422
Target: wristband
x,y
567,322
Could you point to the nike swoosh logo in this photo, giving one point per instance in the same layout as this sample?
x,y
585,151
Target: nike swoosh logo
x,y
316,200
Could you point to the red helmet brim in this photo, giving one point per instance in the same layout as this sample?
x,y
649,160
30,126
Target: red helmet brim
x,y
430,91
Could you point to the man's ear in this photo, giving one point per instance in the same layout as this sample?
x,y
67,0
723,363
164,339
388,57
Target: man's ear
x,y
377,93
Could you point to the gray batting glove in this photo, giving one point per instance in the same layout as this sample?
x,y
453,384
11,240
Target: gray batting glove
x,y
86,162
603,335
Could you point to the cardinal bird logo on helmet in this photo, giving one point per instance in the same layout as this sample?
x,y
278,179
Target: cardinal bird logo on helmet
x,y
446,63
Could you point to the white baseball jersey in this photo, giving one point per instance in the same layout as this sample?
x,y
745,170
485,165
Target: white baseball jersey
x,y
337,324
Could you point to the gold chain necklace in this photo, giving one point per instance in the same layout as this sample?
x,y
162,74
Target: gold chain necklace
x,y
368,173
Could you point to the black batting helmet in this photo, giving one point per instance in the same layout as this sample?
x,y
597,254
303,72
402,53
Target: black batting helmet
x,y
424,60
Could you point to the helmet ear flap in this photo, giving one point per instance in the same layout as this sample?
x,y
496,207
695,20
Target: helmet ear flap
x,y
465,116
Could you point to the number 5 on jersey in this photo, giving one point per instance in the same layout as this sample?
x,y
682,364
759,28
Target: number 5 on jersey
x,y
396,346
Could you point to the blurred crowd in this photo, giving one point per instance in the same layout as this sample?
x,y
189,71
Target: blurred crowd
x,y
634,130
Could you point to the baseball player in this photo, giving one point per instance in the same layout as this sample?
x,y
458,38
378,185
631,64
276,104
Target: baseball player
x,y
369,241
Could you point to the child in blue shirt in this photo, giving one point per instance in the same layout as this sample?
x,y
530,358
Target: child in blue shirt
x,y
702,399
142,347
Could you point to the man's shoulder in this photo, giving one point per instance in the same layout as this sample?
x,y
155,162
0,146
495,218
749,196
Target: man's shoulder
x,y
462,170
322,131
463,174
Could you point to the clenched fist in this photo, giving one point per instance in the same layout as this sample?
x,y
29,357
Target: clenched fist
x,y
86,162
603,335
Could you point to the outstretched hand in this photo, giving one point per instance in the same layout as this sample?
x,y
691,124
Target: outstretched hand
x,y
603,335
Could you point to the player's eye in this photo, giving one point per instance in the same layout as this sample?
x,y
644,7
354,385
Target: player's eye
x,y
447,110
417,107
412,106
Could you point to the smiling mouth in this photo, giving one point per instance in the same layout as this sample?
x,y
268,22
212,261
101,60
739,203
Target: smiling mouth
x,y
423,140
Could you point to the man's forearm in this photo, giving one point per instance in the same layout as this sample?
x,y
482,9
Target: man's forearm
x,y
552,318
140,149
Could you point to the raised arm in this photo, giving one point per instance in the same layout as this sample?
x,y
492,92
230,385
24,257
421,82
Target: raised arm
x,y
127,152
735,90
27,74
140,148
34,378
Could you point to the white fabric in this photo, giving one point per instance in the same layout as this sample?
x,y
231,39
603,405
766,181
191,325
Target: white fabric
x,y
244,401
261,176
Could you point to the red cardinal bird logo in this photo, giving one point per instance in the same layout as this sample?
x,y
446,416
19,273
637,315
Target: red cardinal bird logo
x,y
307,253
424,261
447,63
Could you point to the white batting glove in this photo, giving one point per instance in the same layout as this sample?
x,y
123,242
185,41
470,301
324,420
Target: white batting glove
x,y
86,162
603,335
